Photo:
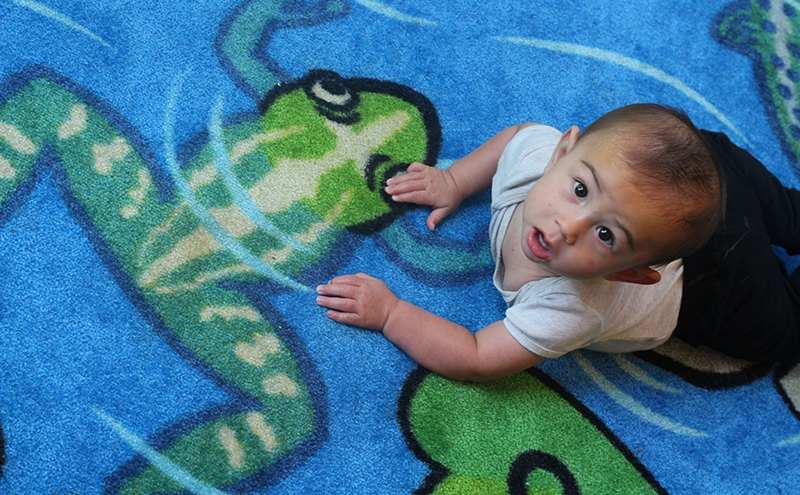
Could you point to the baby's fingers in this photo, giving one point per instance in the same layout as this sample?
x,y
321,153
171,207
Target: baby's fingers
x,y
344,318
405,186
417,167
419,191
336,303
342,310
415,171
406,183
342,280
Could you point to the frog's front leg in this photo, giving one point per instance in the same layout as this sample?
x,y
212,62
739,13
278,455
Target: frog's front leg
x,y
115,195
249,27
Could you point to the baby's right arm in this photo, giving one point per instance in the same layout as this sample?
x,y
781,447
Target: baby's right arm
x,y
443,190
438,344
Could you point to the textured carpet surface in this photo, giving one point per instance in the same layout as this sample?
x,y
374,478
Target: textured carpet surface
x,y
177,176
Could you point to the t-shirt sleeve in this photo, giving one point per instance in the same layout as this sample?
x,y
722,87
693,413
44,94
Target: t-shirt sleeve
x,y
522,163
553,324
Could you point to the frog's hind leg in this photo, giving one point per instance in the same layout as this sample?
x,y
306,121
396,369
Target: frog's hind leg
x,y
103,170
277,416
112,187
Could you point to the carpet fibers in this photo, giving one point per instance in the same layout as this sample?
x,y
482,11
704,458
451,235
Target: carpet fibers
x,y
176,178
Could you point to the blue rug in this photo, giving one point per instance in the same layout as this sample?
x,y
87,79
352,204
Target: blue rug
x,y
176,176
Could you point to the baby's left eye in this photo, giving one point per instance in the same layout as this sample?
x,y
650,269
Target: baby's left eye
x,y
605,235
580,189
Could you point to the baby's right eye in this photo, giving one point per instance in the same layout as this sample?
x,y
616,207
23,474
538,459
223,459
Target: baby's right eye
x,y
580,189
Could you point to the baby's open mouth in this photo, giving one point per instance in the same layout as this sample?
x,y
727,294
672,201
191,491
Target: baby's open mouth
x,y
539,245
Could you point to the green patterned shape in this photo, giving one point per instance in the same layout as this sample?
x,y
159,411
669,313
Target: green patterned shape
x,y
311,165
519,434
199,451
108,177
771,38
314,164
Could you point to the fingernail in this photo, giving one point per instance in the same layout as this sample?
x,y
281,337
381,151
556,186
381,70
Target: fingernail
x,y
319,289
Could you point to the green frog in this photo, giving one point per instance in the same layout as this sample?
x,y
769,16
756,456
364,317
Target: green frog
x,y
261,200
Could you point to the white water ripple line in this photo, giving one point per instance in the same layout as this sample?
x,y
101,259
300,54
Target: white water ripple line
x,y
59,17
222,236
632,404
164,465
630,63
242,199
791,441
640,375
393,13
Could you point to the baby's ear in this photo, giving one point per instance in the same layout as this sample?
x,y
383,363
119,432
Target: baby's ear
x,y
643,275
565,144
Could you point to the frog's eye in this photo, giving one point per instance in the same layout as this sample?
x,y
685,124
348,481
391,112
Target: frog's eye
x,y
331,92
380,170
333,99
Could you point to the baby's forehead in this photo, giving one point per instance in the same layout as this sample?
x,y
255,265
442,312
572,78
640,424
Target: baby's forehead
x,y
652,215
608,150
657,224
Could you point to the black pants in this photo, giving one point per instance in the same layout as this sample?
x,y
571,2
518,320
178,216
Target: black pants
x,y
737,296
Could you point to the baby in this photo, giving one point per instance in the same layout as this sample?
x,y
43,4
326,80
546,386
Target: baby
x,y
588,233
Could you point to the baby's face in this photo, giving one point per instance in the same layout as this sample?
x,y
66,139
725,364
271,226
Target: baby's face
x,y
586,218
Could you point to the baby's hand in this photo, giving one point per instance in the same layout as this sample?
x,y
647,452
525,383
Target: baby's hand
x,y
426,185
358,300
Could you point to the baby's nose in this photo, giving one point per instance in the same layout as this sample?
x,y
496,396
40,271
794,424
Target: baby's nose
x,y
572,227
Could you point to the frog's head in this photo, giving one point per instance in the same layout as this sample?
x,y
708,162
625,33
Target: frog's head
x,y
351,135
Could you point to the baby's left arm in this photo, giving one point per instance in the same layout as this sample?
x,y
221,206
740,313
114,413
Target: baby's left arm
x,y
437,344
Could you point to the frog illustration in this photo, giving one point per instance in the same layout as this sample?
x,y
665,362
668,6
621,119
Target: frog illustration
x,y
497,437
184,261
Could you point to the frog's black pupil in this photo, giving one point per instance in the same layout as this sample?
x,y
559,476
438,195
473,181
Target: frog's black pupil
x,y
334,86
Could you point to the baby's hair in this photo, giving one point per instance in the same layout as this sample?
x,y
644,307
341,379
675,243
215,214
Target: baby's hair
x,y
675,165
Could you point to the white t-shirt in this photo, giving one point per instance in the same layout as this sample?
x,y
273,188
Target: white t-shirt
x,y
555,315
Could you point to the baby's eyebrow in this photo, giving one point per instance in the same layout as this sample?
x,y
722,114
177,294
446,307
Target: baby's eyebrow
x,y
594,174
591,168
628,235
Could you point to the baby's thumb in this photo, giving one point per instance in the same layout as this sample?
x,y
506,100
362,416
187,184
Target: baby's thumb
x,y
416,167
435,217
